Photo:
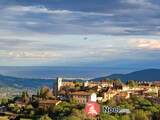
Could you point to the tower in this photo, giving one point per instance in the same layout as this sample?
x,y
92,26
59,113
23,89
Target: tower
x,y
57,86
59,83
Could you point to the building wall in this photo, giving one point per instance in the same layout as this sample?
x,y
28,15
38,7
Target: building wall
x,y
81,99
57,86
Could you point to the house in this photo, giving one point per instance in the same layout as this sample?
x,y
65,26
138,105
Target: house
x,y
106,83
144,83
82,96
68,84
125,88
20,103
153,89
109,94
99,99
156,83
85,84
48,103
93,84
124,95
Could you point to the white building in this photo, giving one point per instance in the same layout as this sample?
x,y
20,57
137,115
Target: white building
x,y
57,86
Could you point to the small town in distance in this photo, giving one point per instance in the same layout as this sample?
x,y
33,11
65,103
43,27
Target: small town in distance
x,y
106,99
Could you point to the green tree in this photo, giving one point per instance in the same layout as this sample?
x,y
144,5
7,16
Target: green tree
x,y
45,117
117,84
32,113
72,117
142,103
14,108
156,116
45,93
105,116
29,108
25,97
79,113
73,102
63,109
132,83
126,105
152,109
112,102
125,117
4,101
140,115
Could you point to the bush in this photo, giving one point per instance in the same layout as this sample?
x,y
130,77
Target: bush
x,y
45,117
104,116
125,117
140,115
72,117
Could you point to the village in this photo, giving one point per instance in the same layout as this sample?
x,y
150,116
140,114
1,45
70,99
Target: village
x,y
77,93
105,90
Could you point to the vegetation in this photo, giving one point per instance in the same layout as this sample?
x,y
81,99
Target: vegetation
x,y
140,107
132,83
44,93
45,117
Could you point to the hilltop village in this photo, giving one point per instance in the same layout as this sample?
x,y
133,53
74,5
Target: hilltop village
x,y
105,90
67,100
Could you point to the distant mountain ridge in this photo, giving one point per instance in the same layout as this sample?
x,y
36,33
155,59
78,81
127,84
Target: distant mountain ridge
x,y
142,75
8,81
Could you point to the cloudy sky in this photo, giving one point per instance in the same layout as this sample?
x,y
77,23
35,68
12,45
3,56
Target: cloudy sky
x,y
111,33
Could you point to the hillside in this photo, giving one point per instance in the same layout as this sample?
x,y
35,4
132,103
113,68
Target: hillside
x,y
144,75
23,82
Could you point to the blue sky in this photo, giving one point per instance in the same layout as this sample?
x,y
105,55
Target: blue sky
x,y
111,33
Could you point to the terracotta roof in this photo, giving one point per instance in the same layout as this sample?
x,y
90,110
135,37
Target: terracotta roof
x,y
80,93
123,94
62,92
49,101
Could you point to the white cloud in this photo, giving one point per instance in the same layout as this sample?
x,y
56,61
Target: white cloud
x,y
31,54
35,9
143,43
42,9
142,3
74,48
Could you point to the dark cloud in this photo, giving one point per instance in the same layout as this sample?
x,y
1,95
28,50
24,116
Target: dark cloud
x,y
118,17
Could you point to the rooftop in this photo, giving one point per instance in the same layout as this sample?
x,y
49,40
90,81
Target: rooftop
x,y
49,101
81,93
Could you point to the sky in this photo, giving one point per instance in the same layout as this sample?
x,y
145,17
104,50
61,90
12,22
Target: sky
x,y
110,33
